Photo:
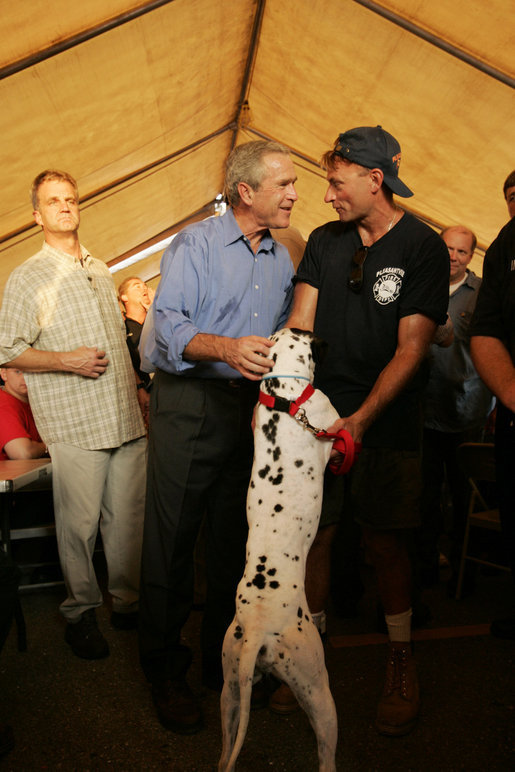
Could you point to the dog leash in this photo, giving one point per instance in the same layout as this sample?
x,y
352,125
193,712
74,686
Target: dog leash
x,y
344,444
342,440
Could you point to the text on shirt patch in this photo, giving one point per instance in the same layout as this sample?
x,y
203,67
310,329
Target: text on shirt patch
x,y
387,288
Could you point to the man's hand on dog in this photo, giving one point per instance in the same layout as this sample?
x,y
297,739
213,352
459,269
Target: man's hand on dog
x,y
249,355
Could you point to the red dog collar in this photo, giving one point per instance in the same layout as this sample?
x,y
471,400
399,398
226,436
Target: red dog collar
x,y
285,405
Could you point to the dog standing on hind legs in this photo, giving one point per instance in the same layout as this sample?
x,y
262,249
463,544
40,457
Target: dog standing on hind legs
x,y
272,631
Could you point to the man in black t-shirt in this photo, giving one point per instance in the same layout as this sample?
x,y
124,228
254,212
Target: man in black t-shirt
x,y
492,347
375,286
135,298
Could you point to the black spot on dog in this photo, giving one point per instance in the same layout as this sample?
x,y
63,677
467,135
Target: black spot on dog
x,y
299,462
238,633
249,584
296,557
301,359
276,480
262,651
278,508
276,454
299,612
263,472
272,572
260,567
252,484
274,585
259,581
262,558
281,655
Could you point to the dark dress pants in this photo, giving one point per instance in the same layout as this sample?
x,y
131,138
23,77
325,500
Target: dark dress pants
x,y
199,465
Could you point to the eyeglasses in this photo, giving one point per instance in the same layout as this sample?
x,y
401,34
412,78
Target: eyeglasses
x,y
355,280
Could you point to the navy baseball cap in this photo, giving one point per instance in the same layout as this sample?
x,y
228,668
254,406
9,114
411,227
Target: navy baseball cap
x,y
373,147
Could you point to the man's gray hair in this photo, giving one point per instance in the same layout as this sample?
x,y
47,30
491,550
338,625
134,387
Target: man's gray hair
x,y
245,164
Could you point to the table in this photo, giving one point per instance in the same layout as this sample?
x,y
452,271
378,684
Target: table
x,y
16,476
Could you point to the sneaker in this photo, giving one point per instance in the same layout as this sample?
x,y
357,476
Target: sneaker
x,y
85,638
177,707
399,705
283,701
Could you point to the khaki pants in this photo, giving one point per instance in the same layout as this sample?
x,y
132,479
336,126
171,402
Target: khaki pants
x,y
92,489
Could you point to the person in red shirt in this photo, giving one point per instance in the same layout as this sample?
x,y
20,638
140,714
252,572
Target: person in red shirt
x,y
19,437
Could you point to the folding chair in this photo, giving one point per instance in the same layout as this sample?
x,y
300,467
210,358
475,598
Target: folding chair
x,y
478,463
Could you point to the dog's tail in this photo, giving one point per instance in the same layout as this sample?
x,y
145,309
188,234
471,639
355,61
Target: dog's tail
x,y
247,665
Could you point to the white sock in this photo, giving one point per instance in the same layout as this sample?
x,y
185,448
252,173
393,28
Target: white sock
x,y
399,626
319,620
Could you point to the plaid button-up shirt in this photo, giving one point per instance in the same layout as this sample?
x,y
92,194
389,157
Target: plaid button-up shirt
x,y
52,303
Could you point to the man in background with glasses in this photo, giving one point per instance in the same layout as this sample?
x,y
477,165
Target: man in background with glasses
x,y
375,286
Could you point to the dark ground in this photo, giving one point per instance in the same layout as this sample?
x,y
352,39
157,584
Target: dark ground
x,y
71,714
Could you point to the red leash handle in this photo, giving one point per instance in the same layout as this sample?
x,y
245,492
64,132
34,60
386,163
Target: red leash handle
x,y
344,444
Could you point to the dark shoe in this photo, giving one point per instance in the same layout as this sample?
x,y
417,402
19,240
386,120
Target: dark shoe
x,y
85,638
283,701
398,707
503,628
124,621
177,707
6,739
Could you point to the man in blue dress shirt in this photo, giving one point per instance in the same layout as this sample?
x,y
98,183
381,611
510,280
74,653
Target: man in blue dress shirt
x,y
226,285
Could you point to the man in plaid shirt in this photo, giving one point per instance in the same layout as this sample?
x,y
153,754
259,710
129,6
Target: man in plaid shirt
x,y
60,324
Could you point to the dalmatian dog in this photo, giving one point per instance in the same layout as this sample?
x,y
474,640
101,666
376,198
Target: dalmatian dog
x,y
272,631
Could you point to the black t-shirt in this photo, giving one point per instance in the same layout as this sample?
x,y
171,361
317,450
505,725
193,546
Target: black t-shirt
x,y
405,272
494,315
133,330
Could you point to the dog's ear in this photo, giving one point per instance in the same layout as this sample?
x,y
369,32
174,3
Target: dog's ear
x,y
318,349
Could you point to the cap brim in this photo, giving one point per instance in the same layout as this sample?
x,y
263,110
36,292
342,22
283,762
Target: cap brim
x,y
398,187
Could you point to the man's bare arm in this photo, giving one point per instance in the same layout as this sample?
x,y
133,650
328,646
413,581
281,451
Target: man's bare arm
x,y
304,307
247,355
493,362
414,336
85,360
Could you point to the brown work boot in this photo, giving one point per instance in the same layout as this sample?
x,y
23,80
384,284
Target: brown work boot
x,y
398,707
177,707
283,701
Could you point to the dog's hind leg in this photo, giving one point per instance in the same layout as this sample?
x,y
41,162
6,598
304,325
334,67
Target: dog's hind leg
x,y
230,714
321,712
301,665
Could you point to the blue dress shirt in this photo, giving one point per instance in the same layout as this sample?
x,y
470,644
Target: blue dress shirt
x,y
212,282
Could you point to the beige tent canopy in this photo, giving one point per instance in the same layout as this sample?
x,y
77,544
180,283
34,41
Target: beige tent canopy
x,y
142,101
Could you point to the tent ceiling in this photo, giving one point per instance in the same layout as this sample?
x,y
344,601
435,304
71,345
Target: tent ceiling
x,y
141,102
